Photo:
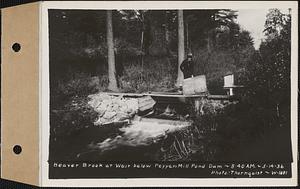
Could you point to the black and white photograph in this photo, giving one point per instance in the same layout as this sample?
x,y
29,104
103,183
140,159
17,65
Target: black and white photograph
x,y
168,88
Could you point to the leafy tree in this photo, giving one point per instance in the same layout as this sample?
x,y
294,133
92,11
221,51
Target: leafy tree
x,y
275,23
269,72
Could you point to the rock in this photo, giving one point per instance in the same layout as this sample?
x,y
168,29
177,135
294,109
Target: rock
x,y
112,109
109,115
123,108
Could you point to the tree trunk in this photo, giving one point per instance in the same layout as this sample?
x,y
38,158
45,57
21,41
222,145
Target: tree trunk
x,y
167,33
187,37
180,46
112,85
208,46
142,42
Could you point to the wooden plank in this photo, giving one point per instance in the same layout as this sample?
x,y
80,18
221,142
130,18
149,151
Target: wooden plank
x,y
234,86
223,97
164,121
155,95
169,93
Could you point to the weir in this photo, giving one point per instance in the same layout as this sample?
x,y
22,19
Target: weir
x,y
176,97
194,91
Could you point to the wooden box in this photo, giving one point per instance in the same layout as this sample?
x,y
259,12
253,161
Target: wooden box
x,y
194,85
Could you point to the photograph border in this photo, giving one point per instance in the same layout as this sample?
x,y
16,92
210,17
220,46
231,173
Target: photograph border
x,y
167,182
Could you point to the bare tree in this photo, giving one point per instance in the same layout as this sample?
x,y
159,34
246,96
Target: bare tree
x,y
180,46
112,85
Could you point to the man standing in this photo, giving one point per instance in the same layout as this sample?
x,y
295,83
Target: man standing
x,y
187,66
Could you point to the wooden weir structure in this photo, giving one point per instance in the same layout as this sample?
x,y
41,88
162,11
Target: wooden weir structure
x,y
193,88
174,97
194,92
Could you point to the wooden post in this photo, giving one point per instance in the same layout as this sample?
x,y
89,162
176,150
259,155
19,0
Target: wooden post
x,y
197,105
230,91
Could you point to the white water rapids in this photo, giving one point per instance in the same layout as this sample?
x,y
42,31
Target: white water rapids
x,y
141,133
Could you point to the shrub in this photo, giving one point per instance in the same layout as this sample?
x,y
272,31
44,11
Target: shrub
x,y
78,85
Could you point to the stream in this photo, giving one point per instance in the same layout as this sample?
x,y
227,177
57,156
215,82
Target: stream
x,y
138,140
162,137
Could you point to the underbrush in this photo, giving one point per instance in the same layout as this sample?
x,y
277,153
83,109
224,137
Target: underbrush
x,y
238,133
155,74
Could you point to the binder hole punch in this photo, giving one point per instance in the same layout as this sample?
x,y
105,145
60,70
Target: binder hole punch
x,y
16,47
17,149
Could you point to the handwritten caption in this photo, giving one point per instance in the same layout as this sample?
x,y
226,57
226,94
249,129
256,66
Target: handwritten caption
x,y
213,169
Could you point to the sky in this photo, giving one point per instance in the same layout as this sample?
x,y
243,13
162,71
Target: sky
x,y
253,21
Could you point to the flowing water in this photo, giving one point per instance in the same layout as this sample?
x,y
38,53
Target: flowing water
x,y
167,134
